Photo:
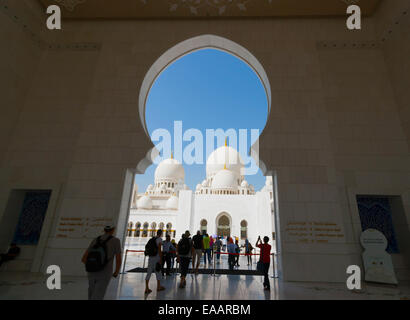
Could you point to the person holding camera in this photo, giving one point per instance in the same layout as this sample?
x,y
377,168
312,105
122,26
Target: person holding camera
x,y
265,248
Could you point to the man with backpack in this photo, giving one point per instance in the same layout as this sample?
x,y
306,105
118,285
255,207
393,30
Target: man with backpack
x,y
99,260
153,249
184,251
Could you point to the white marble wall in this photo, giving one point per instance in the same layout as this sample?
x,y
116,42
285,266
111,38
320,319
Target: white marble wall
x,y
334,127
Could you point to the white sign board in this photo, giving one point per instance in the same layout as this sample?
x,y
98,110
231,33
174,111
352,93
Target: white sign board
x,y
378,266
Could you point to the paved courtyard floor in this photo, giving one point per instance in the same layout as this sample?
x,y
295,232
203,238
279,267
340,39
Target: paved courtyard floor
x,y
130,286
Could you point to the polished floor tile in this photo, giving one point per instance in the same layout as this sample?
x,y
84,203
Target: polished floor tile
x,y
130,286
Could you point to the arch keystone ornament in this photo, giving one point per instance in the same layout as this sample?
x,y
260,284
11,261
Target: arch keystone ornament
x,y
196,6
378,266
70,4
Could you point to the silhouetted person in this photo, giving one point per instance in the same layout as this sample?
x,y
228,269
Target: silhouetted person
x,y
154,251
218,245
11,254
99,260
198,246
167,249
211,246
231,249
185,250
265,258
173,254
207,249
238,251
248,251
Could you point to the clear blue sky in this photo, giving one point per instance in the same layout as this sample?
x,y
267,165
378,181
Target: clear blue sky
x,y
206,89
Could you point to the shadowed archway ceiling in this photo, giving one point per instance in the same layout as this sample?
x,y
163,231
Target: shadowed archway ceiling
x,y
153,9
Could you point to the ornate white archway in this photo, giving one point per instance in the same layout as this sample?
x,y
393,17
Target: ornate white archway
x,y
207,41
194,44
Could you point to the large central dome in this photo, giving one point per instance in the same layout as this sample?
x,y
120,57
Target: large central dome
x,y
224,157
225,180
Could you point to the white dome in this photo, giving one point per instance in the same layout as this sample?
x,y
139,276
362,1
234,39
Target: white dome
x,y
144,202
198,186
204,183
225,179
170,169
150,187
172,203
244,184
224,156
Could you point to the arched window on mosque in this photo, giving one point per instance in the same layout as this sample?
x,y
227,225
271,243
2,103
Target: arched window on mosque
x,y
145,230
244,229
137,231
129,233
161,226
153,229
169,227
203,226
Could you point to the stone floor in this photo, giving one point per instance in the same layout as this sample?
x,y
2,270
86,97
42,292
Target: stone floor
x,y
23,285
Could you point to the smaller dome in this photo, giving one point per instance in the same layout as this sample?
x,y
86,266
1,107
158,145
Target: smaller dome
x,y
198,186
204,183
169,170
172,203
244,184
144,202
150,187
225,179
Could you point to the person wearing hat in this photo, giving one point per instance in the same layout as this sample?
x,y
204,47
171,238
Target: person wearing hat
x,y
98,281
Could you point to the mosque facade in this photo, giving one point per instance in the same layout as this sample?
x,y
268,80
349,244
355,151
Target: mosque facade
x,y
223,204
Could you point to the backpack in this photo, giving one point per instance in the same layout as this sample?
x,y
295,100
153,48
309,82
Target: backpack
x,y
184,246
97,256
151,248
198,242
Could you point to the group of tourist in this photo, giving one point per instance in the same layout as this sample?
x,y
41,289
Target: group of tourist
x,y
191,249
100,255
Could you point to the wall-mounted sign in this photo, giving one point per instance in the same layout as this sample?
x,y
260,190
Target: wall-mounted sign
x,y
378,266
81,227
314,232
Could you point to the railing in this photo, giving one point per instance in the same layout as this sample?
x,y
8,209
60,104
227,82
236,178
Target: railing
x,y
126,255
233,254
215,253
137,251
